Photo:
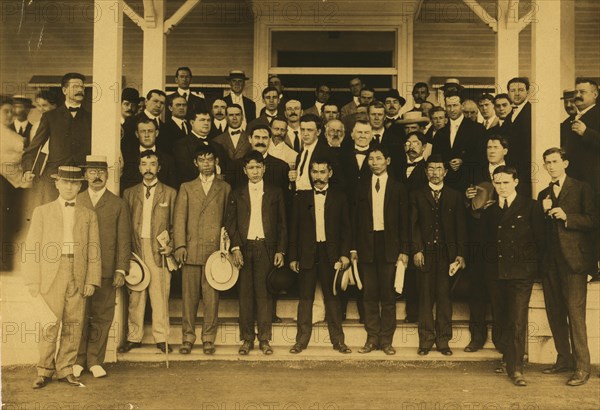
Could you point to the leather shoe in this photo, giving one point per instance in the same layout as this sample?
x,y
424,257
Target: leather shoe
x,y
342,348
162,346
518,379
446,351
186,348
70,380
297,348
246,347
557,369
208,348
41,381
472,348
128,346
423,351
389,350
368,348
265,347
501,369
579,377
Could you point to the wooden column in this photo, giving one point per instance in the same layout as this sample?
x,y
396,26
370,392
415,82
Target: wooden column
x,y
567,45
546,87
507,43
154,60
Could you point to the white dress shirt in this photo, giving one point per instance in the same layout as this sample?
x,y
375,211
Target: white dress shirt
x,y
220,124
95,196
360,159
510,199
320,214
303,181
283,152
256,230
319,107
206,182
558,188
378,201
152,148
147,209
68,213
294,134
454,125
20,126
492,168
152,117
235,138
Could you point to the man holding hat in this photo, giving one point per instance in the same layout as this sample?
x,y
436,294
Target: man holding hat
x,y
199,215
320,237
64,280
151,204
21,107
237,81
256,224
115,244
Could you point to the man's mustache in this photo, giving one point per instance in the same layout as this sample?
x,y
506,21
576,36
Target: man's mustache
x,y
149,173
318,181
578,99
260,145
97,180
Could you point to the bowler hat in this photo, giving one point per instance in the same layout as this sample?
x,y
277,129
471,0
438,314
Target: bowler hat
x,y
221,274
237,74
131,95
393,93
568,95
484,196
68,173
138,277
280,280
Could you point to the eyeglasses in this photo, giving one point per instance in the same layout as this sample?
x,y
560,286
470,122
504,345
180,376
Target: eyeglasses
x,y
96,172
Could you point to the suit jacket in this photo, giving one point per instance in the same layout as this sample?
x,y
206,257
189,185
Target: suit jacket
x,y
418,177
519,154
395,216
303,228
199,218
131,173
323,150
234,153
513,240
276,174
46,236
129,140
70,139
353,175
575,238
274,221
214,130
249,107
312,110
452,219
169,135
194,103
163,206
184,152
114,225
349,109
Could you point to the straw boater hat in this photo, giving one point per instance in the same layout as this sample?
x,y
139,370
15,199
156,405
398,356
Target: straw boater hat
x,y
237,74
95,161
221,273
68,173
452,82
138,277
413,117
21,99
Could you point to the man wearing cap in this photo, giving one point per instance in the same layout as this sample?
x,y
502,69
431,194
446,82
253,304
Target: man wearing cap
x,y
176,126
256,224
68,131
415,121
393,102
356,85
115,244
21,107
439,236
183,79
151,205
234,141
219,118
452,86
199,215
65,280
322,95
320,237
237,81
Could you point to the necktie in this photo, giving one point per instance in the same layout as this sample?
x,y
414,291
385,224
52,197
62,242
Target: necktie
x,y
236,132
148,188
146,153
378,138
184,128
68,204
185,95
296,142
557,183
323,192
485,124
73,109
358,152
411,164
505,204
377,185
552,192
436,194
303,162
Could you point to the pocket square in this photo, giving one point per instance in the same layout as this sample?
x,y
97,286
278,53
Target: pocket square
x,y
519,216
164,204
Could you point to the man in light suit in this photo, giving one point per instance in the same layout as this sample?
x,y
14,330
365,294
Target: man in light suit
x,y
570,224
115,243
235,140
356,85
62,281
199,215
151,204
256,224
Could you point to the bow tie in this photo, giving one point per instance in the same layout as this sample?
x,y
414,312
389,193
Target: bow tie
x,y
235,132
358,152
323,192
73,109
68,204
557,183
147,152
412,164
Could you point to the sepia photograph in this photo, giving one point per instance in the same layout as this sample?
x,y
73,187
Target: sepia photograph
x,y
300,204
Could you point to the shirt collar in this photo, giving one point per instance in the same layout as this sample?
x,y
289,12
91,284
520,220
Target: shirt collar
x,y
363,149
561,180
310,147
199,136
152,117
580,113
97,194
181,91
235,129
152,148
69,105
319,105
435,187
154,182
206,180
510,199
178,121
380,131
271,114
62,201
325,188
458,121
356,101
492,167
418,159
256,186
382,178
19,124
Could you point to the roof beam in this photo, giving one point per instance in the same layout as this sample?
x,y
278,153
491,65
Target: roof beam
x,y
180,14
482,14
149,13
133,16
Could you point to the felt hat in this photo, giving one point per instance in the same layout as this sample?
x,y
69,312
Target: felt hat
x,y
69,173
220,272
484,196
131,95
138,277
568,95
281,280
393,93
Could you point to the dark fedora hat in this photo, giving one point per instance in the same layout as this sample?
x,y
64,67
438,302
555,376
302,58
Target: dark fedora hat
x,y
281,280
393,93
130,94
568,94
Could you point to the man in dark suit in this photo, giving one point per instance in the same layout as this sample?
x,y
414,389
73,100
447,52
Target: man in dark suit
x,y
380,242
572,219
219,118
176,126
439,119
513,240
393,102
320,237
114,226
68,131
146,135
183,79
129,102
237,81
420,93
503,109
322,95
21,107
257,226
234,141
353,161
270,96
486,108
439,236
457,143
155,106
519,131
185,149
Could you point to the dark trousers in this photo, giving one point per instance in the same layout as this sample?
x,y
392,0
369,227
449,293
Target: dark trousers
x,y
565,295
379,296
353,292
323,271
99,313
253,292
411,292
434,287
512,320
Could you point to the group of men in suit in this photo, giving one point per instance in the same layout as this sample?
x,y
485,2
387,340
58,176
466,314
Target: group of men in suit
x,y
366,162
